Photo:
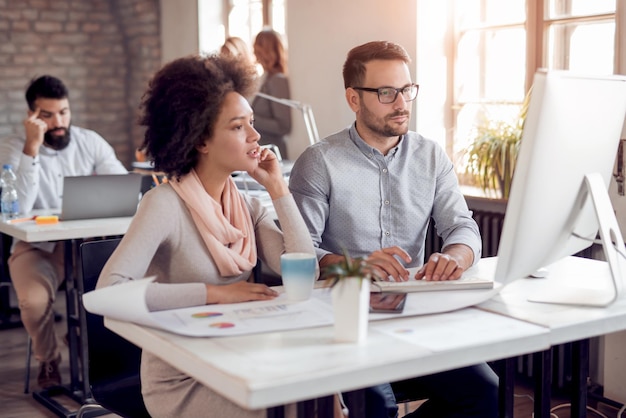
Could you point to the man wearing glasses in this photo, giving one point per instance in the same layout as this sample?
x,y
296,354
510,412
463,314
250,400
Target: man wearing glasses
x,y
371,189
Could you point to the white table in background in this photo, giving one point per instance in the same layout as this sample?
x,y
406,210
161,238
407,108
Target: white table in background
x,y
67,232
29,231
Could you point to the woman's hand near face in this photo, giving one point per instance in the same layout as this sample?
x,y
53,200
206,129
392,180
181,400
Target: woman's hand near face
x,y
238,292
269,174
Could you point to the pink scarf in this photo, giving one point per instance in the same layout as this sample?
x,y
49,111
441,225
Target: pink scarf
x,y
226,229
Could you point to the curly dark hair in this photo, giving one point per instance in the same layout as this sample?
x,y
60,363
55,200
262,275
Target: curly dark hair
x,y
182,104
47,87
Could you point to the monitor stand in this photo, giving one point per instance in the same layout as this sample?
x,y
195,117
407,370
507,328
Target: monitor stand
x,y
614,250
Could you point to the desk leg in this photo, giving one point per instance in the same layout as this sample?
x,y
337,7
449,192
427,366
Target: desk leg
x,y
580,369
506,387
542,370
73,317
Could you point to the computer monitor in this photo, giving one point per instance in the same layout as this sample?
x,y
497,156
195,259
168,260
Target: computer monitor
x,y
559,195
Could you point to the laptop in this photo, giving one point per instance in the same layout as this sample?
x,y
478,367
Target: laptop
x,y
100,196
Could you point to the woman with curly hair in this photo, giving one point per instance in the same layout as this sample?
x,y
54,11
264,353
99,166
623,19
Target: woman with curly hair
x,y
197,234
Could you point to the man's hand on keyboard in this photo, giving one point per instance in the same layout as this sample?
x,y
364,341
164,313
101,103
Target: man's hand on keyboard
x,y
440,267
386,263
448,266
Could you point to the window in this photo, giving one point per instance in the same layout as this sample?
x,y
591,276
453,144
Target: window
x,y
245,19
241,18
489,63
492,48
580,35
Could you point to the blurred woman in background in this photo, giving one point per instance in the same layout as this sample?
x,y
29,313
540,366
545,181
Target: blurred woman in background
x,y
237,48
271,119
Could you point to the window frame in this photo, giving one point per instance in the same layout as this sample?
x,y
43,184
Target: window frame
x,y
537,25
267,14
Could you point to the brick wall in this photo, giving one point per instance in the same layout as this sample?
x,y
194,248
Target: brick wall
x,y
104,50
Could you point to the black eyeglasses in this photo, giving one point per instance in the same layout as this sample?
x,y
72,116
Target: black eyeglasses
x,y
388,95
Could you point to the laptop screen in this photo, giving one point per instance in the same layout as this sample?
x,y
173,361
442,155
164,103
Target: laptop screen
x,y
101,196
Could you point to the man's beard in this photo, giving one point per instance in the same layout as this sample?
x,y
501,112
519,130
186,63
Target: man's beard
x,y
59,140
380,126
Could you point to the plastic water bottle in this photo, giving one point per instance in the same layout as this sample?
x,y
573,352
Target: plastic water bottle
x,y
10,204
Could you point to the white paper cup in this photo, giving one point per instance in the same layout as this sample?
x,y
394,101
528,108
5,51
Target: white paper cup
x,y
298,274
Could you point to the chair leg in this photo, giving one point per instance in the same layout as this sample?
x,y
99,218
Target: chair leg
x,y
89,410
28,355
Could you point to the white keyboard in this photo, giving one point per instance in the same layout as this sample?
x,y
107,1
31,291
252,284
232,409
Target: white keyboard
x,y
412,285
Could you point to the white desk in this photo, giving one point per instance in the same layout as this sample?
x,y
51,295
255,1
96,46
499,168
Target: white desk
x,y
29,231
565,323
68,232
266,370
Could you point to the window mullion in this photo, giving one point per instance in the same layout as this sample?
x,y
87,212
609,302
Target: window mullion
x,y
267,16
452,37
620,37
580,19
535,35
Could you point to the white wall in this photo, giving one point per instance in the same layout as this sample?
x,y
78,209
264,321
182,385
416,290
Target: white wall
x,y
179,29
320,34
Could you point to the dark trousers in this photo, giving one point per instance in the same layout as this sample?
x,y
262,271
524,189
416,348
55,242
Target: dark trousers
x,y
469,392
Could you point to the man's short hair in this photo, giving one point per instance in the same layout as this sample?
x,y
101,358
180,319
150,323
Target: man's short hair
x,y
354,67
47,87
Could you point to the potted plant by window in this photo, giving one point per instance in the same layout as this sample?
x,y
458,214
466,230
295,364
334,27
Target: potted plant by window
x,y
493,151
349,281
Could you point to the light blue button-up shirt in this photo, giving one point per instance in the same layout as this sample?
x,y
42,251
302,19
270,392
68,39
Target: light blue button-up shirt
x,y
353,197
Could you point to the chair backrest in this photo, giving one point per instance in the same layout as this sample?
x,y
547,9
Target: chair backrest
x,y
113,361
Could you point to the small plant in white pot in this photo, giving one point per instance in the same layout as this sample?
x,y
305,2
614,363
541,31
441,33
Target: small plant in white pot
x,y
350,281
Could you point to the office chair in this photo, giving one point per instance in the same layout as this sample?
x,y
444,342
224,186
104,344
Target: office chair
x,y
113,362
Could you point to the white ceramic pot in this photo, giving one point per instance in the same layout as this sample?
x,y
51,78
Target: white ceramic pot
x,y
351,299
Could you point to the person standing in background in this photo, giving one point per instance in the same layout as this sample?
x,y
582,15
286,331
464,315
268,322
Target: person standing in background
x,y
271,119
51,149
